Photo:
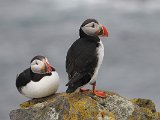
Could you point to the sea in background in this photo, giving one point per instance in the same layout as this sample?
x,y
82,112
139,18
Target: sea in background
x,y
131,65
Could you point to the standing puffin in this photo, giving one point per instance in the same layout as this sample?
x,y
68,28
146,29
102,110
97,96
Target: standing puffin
x,y
40,80
85,57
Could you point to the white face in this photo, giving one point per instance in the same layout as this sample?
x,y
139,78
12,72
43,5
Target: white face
x,y
38,66
90,28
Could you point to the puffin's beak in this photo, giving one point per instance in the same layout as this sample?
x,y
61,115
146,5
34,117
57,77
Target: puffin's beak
x,y
48,67
102,31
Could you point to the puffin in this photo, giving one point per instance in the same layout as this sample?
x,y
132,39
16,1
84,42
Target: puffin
x,y
39,80
85,57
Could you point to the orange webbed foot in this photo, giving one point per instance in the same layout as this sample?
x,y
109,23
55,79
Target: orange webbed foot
x,y
99,93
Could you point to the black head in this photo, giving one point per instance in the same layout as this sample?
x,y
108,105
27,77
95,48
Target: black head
x,y
89,21
91,27
38,57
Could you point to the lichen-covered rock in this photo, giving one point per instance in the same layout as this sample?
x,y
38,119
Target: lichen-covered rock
x,y
144,114
145,111
82,106
145,103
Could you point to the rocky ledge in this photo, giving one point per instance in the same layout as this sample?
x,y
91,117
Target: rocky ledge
x,y
85,106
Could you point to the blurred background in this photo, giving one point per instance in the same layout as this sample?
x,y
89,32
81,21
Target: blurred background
x,y
131,65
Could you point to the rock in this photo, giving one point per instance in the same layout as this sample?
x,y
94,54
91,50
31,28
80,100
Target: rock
x,y
146,103
84,106
144,114
146,110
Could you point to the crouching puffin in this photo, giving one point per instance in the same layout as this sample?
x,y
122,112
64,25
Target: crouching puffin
x,y
40,80
85,57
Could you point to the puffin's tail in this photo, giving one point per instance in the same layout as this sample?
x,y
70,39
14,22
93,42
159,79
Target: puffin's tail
x,y
72,86
76,77
81,82
71,89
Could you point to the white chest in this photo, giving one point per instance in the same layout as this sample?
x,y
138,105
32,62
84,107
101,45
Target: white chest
x,y
46,86
100,54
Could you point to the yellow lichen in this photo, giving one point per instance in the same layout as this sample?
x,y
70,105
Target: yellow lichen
x,y
84,107
27,104
44,100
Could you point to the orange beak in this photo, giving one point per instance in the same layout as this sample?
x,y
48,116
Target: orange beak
x,y
102,31
48,67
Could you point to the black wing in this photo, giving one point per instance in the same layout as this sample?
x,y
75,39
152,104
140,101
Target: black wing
x,y
81,60
22,79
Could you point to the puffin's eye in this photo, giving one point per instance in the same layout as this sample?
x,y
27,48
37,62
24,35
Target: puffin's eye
x,y
93,25
36,63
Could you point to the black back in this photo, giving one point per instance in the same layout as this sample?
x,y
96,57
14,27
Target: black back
x,y
27,75
81,61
